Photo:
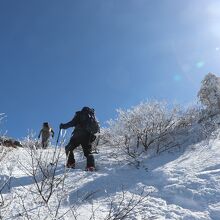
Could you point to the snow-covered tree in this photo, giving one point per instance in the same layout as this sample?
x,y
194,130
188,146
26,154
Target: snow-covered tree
x,y
209,93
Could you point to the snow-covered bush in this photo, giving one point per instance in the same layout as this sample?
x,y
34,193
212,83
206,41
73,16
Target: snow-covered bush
x,y
209,93
152,125
143,124
31,142
6,173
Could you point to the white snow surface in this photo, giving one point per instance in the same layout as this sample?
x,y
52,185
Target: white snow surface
x,y
180,184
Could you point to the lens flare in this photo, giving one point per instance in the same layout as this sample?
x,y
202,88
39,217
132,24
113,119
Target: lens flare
x,y
177,77
200,64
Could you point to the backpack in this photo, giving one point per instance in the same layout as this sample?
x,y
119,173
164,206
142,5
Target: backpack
x,y
88,120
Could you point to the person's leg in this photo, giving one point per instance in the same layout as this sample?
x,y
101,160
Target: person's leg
x,y
43,143
73,143
87,150
89,156
46,143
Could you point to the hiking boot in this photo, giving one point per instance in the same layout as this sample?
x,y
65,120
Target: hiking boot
x,y
70,165
91,169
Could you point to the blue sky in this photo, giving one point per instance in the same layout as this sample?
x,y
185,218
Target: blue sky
x,y
58,56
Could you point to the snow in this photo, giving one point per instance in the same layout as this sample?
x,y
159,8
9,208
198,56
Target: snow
x,y
179,184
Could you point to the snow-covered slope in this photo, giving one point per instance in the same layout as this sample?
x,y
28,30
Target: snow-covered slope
x,y
182,184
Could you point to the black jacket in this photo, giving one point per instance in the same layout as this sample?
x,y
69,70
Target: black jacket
x,y
75,122
79,128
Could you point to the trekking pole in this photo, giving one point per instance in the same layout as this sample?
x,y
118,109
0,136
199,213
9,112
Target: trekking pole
x,y
58,137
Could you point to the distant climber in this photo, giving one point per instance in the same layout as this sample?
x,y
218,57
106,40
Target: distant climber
x,y
45,133
86,126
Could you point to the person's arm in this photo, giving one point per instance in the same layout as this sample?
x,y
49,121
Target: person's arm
x,y
39,134
71,123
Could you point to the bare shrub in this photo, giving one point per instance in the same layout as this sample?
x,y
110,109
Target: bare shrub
x,y
48,191
124,205
6,174
42,168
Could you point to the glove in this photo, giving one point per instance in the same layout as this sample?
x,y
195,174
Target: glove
x,y
61,126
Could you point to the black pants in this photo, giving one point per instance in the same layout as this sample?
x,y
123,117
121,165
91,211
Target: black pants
x,y
82,138
45,143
